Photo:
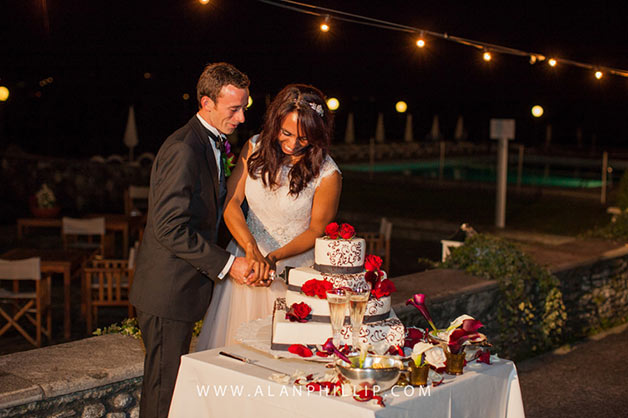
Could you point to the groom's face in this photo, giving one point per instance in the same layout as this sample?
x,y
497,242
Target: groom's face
x,y
228,111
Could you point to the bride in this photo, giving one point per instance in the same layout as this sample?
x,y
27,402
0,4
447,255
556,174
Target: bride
x,y
292,187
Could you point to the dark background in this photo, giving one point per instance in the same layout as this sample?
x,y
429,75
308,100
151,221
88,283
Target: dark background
x,y
98,52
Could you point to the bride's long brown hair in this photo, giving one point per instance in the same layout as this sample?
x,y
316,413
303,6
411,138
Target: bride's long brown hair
x,y
314,120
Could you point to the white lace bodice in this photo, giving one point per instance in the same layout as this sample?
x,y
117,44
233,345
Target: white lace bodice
x,y
275,217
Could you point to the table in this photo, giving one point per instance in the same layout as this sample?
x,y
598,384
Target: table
x,y
210,385
115,222
64,262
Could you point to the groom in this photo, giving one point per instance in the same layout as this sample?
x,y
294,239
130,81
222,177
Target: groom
x,y
179,259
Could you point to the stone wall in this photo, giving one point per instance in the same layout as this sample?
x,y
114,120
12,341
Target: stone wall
x,y
80,186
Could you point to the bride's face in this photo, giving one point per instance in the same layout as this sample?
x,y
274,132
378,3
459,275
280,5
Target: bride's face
x,y
291,138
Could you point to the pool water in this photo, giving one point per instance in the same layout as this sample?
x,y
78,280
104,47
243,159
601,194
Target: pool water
x,y
555,176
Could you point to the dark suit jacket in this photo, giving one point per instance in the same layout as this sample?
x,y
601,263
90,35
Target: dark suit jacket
x,y
178,257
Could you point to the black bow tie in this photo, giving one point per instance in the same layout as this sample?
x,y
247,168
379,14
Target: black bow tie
x,y
219,140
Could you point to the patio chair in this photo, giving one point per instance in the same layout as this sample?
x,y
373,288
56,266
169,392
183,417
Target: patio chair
x,y
135,199
30,306
378,243
107,284
80,233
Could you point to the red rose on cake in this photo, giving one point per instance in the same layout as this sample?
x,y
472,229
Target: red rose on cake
x,y
332,230
299,312
347,231
383,288
372,262
318,288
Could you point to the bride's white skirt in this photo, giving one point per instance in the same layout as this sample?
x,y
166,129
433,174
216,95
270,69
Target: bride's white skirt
x,y
233,304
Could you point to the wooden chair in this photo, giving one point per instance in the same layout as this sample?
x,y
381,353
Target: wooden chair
x,y
378,243
135,198
107,284
80,233
32,307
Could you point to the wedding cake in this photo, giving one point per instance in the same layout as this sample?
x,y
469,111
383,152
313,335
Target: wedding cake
x,y
303,316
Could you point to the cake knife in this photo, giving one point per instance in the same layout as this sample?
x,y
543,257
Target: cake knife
x,y
249,361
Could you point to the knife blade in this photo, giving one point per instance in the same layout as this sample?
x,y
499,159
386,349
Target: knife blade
x,y
249,361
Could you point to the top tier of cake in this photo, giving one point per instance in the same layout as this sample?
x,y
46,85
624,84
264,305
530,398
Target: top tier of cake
x,y
340,256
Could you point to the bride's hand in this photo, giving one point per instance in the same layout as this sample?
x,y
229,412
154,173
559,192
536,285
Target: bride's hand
x,y
258,265
271,258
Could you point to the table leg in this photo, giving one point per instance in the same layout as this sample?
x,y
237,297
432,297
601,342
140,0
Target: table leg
x,y
67,324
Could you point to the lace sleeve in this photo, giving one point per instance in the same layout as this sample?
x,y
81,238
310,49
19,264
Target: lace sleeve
x,y
328,168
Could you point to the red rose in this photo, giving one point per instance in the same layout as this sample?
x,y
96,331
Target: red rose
x,y
372,262
300,350
332,230
318,288
385,288
347,231
298,312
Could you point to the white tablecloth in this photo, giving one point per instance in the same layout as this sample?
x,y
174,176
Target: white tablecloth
x,y
211,385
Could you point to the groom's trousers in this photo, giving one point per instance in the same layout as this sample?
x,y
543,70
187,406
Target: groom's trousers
x,y
165,341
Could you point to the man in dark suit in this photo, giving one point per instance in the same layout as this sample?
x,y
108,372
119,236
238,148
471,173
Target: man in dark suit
x,y
179,259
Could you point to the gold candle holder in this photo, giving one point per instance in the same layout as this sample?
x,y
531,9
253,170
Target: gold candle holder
x,y
418,374
455,362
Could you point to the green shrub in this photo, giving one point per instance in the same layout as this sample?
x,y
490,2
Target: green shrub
x,y
130,327
531,312
616,229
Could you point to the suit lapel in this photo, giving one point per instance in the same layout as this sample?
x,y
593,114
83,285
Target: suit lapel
x,y
209,153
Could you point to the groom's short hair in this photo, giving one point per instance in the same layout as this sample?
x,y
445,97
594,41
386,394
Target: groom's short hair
x,y
215,77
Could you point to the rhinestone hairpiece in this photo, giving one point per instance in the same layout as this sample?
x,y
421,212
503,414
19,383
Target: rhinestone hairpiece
x,y
317,108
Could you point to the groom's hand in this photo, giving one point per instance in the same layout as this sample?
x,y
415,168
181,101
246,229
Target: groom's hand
x,y
240,270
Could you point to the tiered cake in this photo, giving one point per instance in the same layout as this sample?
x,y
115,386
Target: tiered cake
x,y
338,263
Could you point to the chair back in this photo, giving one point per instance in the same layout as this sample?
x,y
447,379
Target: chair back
x,y
27,269
135,196
107,283
27,308
80,233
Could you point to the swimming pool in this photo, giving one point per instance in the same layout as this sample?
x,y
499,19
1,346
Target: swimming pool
x,y
485,170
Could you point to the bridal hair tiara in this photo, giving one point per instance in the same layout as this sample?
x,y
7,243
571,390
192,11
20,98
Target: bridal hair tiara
x,y
317,108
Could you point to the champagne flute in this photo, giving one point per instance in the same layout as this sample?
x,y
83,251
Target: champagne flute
x,y
358,298
338,300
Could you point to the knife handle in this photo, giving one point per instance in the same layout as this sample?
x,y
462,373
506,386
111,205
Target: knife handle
x,y
233,356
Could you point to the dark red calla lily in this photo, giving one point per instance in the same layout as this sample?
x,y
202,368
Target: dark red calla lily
x,y
471,325
413,336
330,348
418,301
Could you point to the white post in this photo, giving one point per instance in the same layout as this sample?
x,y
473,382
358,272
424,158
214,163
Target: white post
x,y
502,130
441,162
502,175
604,172
520,166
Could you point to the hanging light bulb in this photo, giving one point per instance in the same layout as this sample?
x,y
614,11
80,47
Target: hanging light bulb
x,y
250,103
486,56
325,25
552,62
599,74
420,42
532,59
333,103
203,1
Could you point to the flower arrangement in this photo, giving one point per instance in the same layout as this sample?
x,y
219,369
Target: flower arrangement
x,y
45,197
227,159
380,287
335,231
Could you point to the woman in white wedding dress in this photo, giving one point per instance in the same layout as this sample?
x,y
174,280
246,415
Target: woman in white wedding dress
x,y
292,187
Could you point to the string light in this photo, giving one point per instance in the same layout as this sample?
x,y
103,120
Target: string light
x,y
421,41
4,94
401,106
325,25
599,74
250,103
537,111
328,13
333,103
203,1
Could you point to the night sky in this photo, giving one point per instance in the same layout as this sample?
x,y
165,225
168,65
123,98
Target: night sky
x,y
97,54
